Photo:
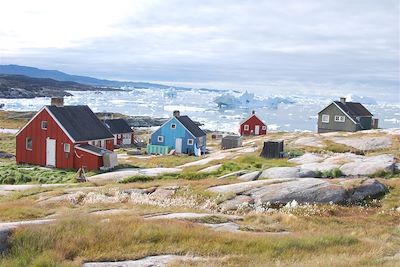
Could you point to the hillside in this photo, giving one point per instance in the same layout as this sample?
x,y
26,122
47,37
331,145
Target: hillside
x,y
61,76
20,86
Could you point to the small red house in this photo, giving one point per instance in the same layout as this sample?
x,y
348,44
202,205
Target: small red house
x,y
252,126
65,137
123,133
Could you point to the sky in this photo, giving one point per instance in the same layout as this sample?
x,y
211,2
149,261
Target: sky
x,y
278,47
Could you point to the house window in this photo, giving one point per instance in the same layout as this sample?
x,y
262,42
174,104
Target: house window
x,y
190,142
339,118
67,148
28,143
173,126
264,128
246,127
44,125
201,141
325,118
160,139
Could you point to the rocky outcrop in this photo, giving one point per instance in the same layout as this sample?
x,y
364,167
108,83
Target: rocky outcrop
x,y
280,172
349,164
365,143
278,192
250,176
369,165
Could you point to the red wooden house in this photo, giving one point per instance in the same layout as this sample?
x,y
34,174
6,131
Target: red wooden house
x,y
253,126
123,133
65,137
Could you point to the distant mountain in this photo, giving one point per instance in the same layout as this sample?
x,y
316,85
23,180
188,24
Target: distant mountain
x,y
61,76
21,86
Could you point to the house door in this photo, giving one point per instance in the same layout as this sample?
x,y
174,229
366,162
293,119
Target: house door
x,y
51,152
257,130
178,145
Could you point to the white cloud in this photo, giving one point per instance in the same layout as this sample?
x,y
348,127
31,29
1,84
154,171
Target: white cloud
x,y
220,42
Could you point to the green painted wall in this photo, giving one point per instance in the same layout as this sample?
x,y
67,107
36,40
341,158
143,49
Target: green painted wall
x,y
332,110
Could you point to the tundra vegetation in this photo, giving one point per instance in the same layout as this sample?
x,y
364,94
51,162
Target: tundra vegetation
x,y
112,222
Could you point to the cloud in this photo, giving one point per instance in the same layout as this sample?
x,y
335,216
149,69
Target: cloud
x,y
231,42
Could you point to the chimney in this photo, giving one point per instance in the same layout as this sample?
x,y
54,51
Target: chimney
x,y
176,113
343,100
253,112
57,101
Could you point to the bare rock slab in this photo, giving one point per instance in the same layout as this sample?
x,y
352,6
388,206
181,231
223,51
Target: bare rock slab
x,y
280,172
365,143
369,165
152,261
251,176
302,190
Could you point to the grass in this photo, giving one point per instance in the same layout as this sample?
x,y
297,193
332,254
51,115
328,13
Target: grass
x,y
14,119
73,241
7,142
21,174
165,161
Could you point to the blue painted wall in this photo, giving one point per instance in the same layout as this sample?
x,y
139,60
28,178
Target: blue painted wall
x,y
170,136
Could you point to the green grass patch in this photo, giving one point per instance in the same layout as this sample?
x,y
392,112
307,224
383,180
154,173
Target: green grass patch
x,y
21,174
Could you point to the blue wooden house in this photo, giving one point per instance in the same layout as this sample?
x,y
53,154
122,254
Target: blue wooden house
x,y
179,133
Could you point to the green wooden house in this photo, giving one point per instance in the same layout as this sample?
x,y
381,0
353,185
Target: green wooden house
x,y
345,116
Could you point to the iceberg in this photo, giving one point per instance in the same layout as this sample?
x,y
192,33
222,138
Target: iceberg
x,y
249,100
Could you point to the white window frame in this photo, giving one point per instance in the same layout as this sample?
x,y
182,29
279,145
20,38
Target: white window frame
x,y
246,127
325,118
160,138
42,125
26,143
339,118
173,126
264,128
190,142
67,148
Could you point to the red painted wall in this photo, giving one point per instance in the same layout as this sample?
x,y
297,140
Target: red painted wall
x,y
252,122
37,155
87,160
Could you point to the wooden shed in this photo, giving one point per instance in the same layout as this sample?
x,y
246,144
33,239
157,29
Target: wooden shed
x,y
231,141
272,149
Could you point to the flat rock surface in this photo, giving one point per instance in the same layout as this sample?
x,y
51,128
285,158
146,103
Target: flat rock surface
x,y
308,158
365,143
369,165
313,141
190,215
250,176
125,173
280,172
350,164
303,190
152,261
239,188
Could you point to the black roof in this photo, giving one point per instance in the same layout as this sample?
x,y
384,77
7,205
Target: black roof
x,y
354,109
191,126
80,122
118,126
94,149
